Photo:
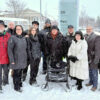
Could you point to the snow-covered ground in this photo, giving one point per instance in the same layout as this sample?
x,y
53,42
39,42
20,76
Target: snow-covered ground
x,y
56,91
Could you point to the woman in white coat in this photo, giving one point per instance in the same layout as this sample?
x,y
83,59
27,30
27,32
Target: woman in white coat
x,y
77,56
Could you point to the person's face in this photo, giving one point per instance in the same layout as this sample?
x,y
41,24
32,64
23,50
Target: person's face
x,y
33,31
89,30
36,26
48,25
18,30
11,25
78,37
54,31
70,30
2,28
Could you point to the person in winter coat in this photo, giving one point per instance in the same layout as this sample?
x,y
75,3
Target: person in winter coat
x,y
77,55
4,61
70,35
36,25
34,52
11,27
54,48
93,56
17,52
44,32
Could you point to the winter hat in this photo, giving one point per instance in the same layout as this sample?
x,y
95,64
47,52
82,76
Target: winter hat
x,y
47,21
2,23
35,22
54,27
70,26
79,33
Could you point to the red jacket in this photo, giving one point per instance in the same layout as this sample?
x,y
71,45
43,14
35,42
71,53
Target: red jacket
x,y
3,48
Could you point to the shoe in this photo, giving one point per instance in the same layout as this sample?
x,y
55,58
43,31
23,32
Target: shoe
x,y
31,82
79,87
93,89
19,90
88,84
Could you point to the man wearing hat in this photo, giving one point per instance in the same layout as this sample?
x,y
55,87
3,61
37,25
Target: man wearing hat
x,y
70,35
36,25
4,61
44,32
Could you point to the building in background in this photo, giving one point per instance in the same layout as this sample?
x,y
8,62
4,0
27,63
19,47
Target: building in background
x,y
27,14
68,14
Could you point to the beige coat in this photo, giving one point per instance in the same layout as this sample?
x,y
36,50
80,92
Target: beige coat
x,y
79,69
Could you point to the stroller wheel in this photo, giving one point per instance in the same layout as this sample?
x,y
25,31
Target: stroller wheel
x,y
45,87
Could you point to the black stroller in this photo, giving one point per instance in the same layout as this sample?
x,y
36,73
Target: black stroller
x,y
56,72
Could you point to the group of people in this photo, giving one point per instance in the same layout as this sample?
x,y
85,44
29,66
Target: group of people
x,y
19,49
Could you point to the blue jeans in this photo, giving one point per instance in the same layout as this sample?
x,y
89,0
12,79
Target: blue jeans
x,y
93,74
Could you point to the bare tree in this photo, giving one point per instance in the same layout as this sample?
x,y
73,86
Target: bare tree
x,y
98,22
16,7
86,20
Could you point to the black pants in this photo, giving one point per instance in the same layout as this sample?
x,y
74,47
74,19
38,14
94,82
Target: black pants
x,y
24,72
4,74
44,63
34,66
17,75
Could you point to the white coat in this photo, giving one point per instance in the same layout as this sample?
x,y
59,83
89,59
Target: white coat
x,y
80,68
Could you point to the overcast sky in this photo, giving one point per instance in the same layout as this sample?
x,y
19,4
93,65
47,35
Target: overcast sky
x,y
92,7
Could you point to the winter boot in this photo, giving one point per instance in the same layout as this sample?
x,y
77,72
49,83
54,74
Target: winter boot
x,y
79,85
88,84
31,82
93,89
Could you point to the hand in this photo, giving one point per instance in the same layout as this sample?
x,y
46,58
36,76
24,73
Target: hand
x,y
74,59
70,57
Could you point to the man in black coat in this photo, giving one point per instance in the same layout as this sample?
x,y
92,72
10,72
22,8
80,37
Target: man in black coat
x,y
43,33
70,35
11,27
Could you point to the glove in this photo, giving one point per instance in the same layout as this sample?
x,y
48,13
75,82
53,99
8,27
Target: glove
x,y
96,60
73,59
70,57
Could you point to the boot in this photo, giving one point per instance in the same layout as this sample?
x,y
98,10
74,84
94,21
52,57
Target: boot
x,y
88,84
93,89
79,85
31,82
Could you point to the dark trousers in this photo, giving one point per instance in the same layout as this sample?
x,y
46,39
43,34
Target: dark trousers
x,y
93,74
79,81
44,63
17,75
4,74
24,72
34,66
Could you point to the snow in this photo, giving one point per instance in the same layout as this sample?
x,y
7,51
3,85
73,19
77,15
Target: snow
x,y
56,91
